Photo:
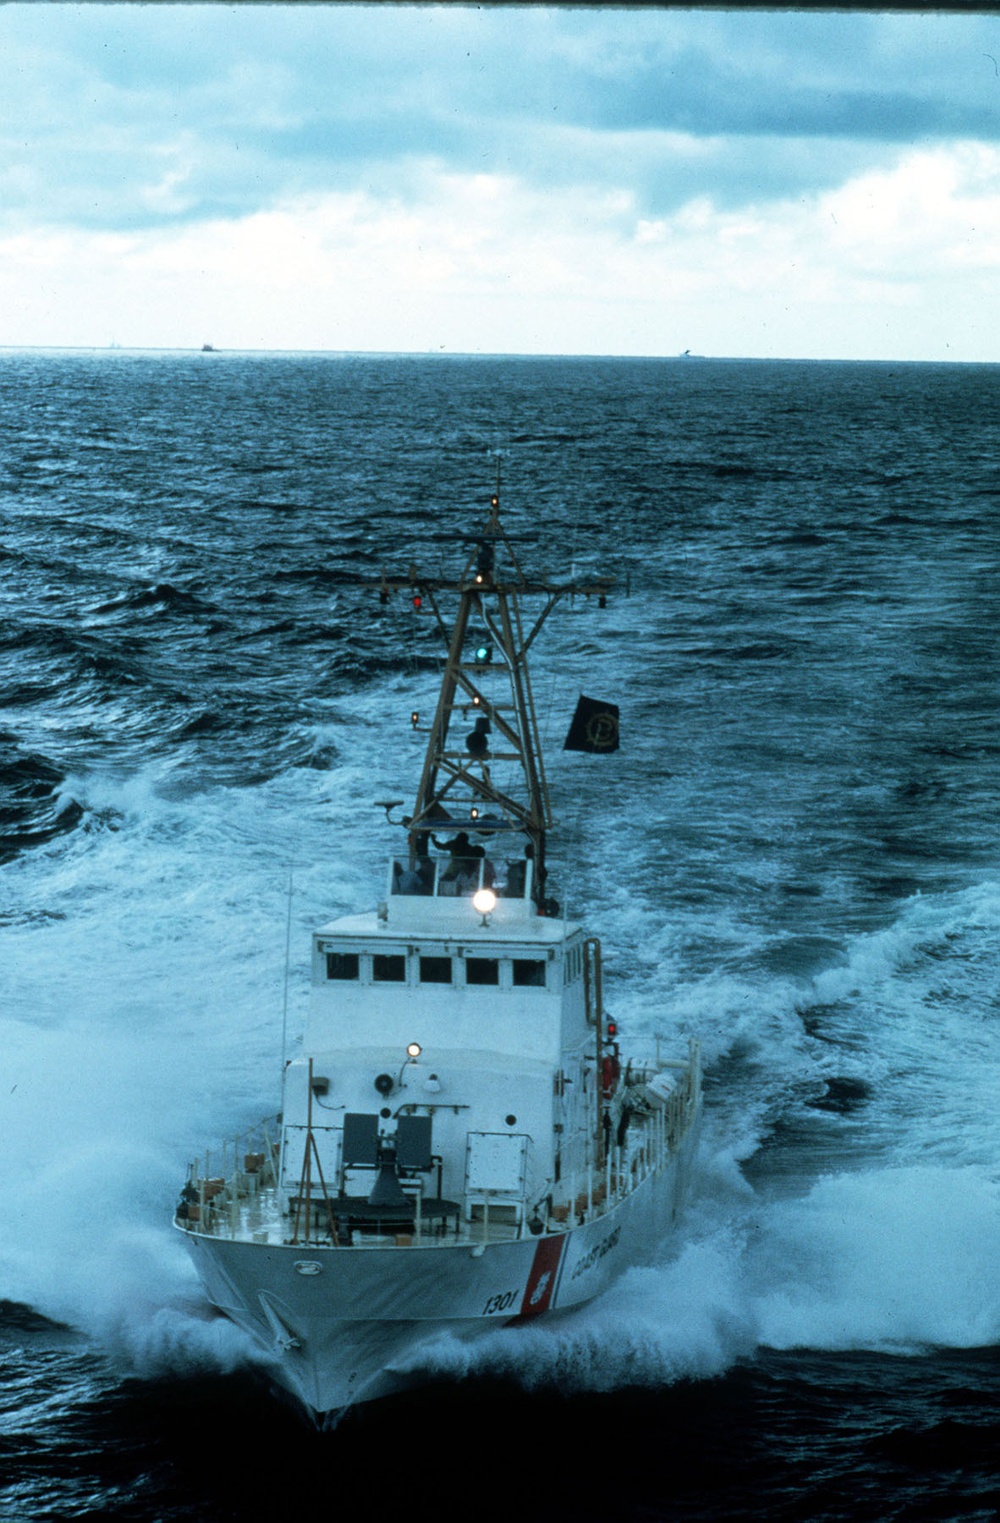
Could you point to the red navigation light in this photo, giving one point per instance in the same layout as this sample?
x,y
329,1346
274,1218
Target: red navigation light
x,y
417,600
612,1028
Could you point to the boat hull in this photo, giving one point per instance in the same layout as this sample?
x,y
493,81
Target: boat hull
x,y
339,1324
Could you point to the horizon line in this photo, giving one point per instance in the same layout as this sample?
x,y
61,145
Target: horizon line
x,y
479,354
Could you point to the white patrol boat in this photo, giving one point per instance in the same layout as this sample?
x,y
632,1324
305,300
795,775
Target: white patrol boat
x,y
461,1142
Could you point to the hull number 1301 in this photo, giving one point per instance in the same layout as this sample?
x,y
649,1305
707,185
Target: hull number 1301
x,y
502,1302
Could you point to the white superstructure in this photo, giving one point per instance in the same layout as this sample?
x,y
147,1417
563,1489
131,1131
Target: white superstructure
x,y
461,1141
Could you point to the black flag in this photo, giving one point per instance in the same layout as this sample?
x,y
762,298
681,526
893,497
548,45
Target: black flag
x,y
594,727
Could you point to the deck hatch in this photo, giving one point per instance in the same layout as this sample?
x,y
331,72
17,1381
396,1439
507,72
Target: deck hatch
x,y
495,1164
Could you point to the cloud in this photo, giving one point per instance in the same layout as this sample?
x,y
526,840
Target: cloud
x,y
491,263
861,77
507,178
128,116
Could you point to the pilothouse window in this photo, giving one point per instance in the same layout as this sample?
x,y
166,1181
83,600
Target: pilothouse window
x,y
435,970
389,968
342,965
482,970
529,973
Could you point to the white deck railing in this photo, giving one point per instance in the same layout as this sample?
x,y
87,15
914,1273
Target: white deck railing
x,y
236,1192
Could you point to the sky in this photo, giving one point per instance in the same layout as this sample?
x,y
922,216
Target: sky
x,y
501,179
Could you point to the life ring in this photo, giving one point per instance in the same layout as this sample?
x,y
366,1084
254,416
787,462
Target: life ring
x,y
610,1071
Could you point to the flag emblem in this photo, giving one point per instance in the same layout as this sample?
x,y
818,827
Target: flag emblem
x,y
594,727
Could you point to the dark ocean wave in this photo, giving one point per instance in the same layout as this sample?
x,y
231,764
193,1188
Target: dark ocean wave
x,y
265,632
807,539
16,1319
763,650
553,436
34,806
274,505
28,693
162,598
317,576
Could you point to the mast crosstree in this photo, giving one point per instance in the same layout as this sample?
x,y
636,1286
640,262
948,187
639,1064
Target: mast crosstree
x,y
488,640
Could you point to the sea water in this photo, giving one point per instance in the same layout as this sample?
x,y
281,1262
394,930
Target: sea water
x,y
793,856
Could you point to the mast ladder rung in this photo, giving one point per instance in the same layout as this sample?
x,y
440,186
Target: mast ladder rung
x,y
468,704
494,756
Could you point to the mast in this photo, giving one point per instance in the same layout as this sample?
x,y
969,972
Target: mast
x,y
492,779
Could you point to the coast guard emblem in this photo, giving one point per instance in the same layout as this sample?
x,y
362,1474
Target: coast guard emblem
x,y
594,727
